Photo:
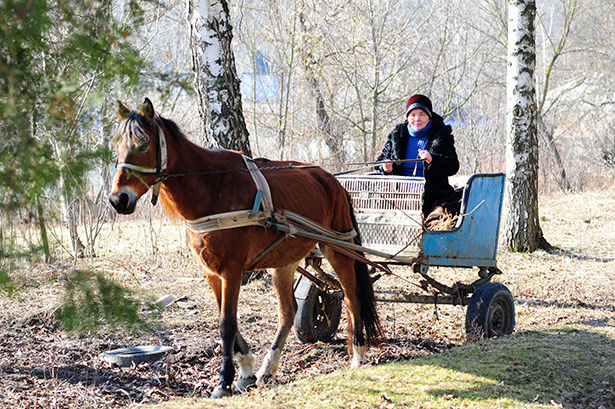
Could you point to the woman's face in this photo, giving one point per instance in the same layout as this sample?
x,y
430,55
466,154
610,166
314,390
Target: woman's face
x,y
418,119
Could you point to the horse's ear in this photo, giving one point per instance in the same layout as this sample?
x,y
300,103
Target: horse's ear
x,y
147,111
123,111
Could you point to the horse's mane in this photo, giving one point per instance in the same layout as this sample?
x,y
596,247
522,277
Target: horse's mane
x,y
173,128
176,133
134,129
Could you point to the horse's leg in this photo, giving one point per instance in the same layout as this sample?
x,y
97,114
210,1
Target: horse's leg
x,y
287,306
344,268
243,356
246,377
227,296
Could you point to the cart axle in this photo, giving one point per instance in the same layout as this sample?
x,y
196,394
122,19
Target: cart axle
x,y
392,296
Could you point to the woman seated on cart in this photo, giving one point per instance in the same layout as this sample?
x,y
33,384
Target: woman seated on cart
x,y
424,136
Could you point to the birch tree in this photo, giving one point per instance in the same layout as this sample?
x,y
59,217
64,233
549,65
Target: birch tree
x,y
215,75
521,223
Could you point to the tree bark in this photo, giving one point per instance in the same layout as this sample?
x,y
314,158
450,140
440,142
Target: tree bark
x,y
521,224
215,76
40,216
564,183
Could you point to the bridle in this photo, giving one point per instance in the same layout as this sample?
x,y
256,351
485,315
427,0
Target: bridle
x,y
159,171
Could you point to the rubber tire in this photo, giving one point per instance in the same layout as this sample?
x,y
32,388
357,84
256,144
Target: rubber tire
x,y
318,314
491,312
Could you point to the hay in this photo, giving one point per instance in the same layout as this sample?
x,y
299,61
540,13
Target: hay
x,y
446,221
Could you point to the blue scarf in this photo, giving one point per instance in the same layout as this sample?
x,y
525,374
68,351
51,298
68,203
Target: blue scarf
x,y
416,141
422,134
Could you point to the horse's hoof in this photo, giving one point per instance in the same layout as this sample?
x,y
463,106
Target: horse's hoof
x,y
359,363
244,384
221,392
267,380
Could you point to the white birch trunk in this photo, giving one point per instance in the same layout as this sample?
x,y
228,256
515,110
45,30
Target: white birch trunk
x,y
521,225
215,76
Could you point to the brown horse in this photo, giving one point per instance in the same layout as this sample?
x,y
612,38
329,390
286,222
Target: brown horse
x,y
194,182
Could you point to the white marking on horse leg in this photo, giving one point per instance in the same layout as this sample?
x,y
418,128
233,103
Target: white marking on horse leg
x,y
246,378
358,356
270,364
283,286
246,364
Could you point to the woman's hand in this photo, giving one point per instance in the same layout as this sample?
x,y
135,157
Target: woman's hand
x,y
387,167
425,155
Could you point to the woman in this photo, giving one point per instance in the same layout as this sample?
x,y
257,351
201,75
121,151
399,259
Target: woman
x,y
424,136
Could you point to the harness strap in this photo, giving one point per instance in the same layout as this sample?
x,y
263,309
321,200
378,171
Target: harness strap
x,y
263,198
241,218
227,220
161,162
257,203
267,217
317,227
287,219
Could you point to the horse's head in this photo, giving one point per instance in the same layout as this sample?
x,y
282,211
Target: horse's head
x,y
141,157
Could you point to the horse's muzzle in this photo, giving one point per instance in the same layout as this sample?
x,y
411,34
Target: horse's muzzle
x,y
124,202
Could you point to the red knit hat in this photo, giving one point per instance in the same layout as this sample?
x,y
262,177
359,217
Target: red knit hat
x,y
419,101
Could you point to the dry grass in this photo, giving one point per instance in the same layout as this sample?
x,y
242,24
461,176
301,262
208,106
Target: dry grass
x,y
446,222
558,294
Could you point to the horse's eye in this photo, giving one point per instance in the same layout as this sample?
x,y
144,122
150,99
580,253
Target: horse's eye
x,y
142,148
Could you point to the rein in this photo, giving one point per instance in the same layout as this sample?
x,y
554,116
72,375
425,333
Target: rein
x,y
164,176
162,158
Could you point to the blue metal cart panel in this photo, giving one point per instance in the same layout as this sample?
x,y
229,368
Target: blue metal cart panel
x,y
473,242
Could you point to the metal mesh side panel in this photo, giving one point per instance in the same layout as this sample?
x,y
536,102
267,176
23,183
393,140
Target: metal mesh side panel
x,y
388,211
384,192
392,239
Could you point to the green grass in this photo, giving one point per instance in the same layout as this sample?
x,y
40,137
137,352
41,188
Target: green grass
x,y
570,366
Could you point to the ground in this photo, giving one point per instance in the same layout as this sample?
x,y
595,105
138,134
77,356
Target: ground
x,y
42,365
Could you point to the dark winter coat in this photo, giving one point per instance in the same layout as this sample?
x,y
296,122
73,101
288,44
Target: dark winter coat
x,y
445,163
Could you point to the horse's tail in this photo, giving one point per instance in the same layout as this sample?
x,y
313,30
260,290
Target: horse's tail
x,y
365,290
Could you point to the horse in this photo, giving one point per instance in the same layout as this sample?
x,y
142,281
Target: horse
x,y
194,183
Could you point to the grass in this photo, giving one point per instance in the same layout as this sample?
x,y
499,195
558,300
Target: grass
x,y
570,366
561,355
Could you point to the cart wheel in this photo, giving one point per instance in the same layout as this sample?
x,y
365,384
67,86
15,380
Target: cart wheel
x,y
318,313
491,312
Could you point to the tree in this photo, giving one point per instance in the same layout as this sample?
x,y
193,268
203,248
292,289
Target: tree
x,y
215,75
55,58
521,225
310,65
557,47
346,69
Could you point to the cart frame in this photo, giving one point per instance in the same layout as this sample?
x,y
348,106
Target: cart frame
x,y
471,243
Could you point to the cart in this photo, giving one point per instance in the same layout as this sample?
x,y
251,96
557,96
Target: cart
x,y
387,210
